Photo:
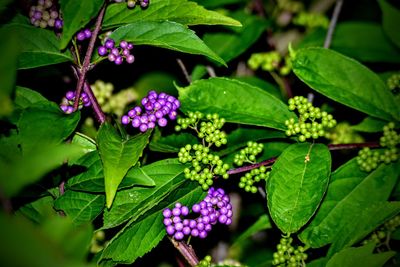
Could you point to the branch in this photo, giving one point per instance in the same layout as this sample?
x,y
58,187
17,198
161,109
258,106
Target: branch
x,y
330,147
184,70
86,62
186,250
332,23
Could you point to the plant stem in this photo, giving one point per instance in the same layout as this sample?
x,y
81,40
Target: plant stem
x,y
184,70
332,24
330,147
186,250
86,62
5,203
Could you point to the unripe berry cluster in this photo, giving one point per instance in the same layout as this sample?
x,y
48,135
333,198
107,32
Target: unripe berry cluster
x,y
215,208
209,131
311,20
343,133
133,3
254,176
393,82
287,255
308,127
156,108
113,103
45,14
204,165
379,236
290,6
115,53
368,159
83,35
206,262
98,242
248,154
270,61
67,103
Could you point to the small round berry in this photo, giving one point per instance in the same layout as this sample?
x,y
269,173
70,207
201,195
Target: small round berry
x,y
87,33
119,60
162,122
102,50
143,127
109,43
123,44
80,36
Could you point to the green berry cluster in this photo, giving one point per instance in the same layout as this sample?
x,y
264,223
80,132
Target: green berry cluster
x,y
98,242
369,160
343,133
311,20
287,255
254,176
206,262
290,6
270,61
393,82
308,126
380,236
209,130
204,165
248,154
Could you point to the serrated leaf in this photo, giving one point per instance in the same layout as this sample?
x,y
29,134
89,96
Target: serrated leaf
x,y
349,192
235,101
345,81
76,14
165,34
44,122
25,97
131,203
260,83
181,11
360,256
297,184
231,43
350,39
38,210
262,223
79,206
371,216
118,156
92,180
390,21
38,47
139,236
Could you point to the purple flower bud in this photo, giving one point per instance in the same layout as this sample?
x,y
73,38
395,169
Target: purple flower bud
x,y
109,43
102,51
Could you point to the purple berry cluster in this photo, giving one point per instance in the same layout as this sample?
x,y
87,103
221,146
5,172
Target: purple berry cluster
x,y
156,108
83,35
215,208
45,14
115,53
67,103
133,3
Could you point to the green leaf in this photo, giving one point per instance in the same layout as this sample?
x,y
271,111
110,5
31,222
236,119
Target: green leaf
x,y
30,167
236,102
25,97
360,256
118,156
39,249
390,21
139,236
8,70
217,3
76,14
80,207
38,47
234,41
92,180
370,125
172,143
345,81
165,34
262,223
350,40
44,122
38,210
133,202
260,83
296,185
371,216
349,193
181,11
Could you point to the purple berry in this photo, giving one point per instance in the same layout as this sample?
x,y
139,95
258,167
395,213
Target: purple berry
x,y
125,120
130,59
119,60
167,221
123,44
178,236
130,46
151,125
162,122
176,211
109,43
186,230
203,234
102,51
58,24
111,57
179,226
222,219
87,33
143,127
70,95
185,211
170,229
192,224
136,122
80,36
194,232
176,219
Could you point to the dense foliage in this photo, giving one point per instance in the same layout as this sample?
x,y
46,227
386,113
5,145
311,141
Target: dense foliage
x,y
199,133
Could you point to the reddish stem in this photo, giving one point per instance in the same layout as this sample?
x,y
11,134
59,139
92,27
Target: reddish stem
x,y
186,250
